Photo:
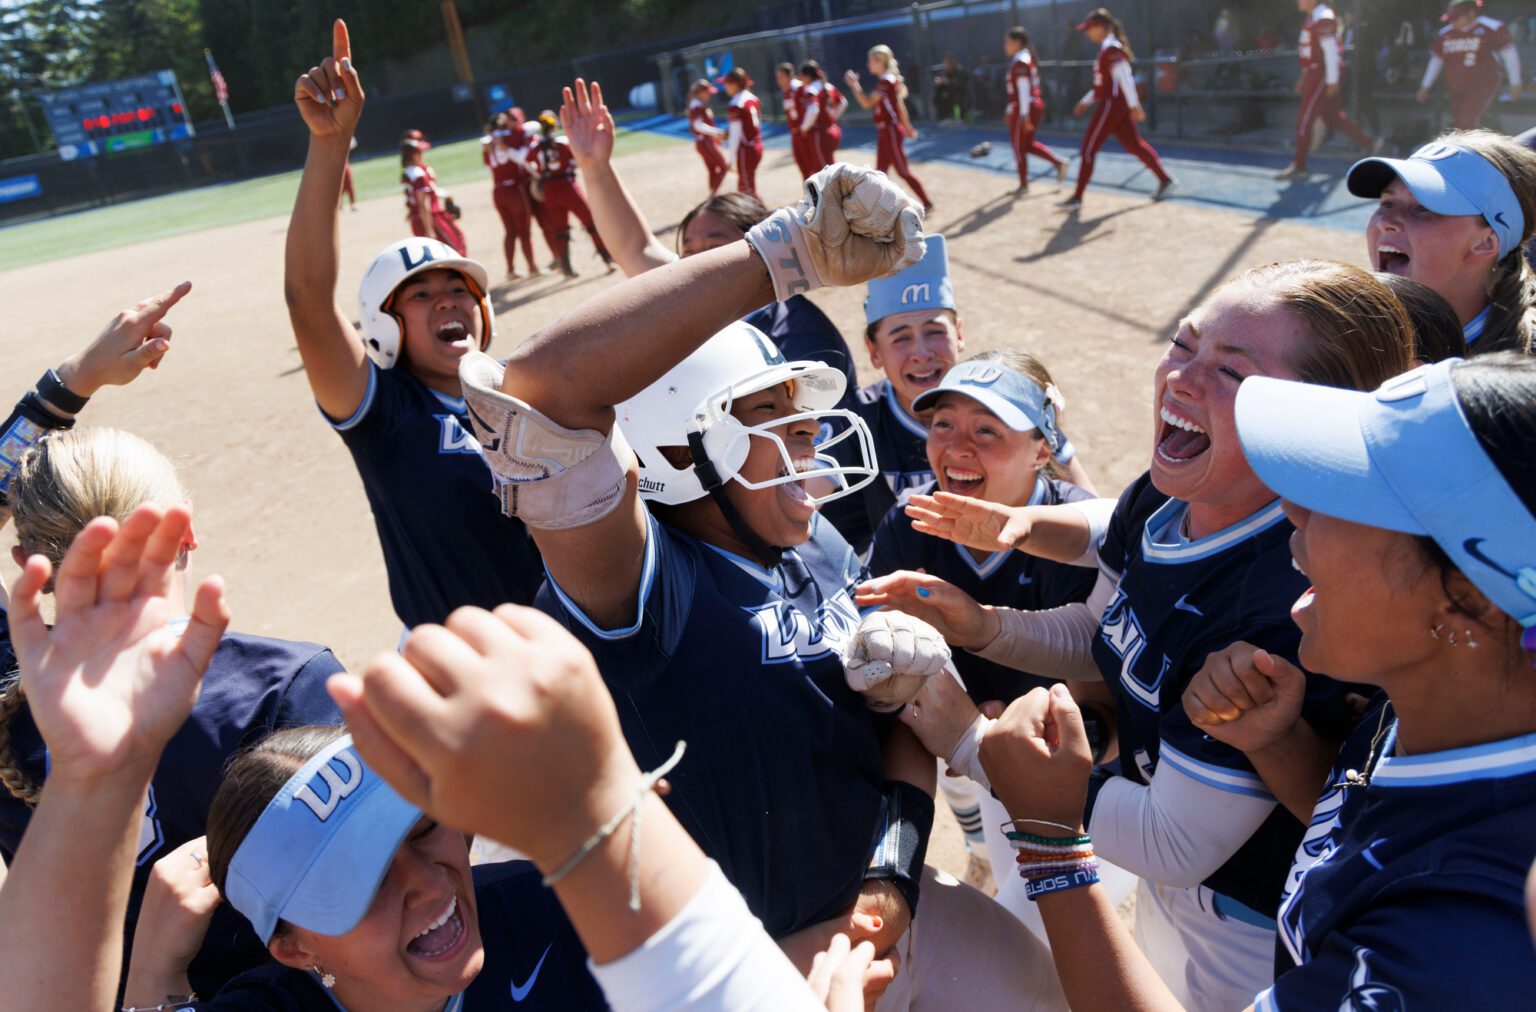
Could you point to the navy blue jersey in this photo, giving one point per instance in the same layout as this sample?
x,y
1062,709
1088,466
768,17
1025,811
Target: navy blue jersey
x,y
901,454
252,687
445,541
782,780
1179,601
1008,579
803,333
1407,892
533,959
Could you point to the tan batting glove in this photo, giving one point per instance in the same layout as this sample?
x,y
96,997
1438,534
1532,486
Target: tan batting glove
x,y
891,657
852,225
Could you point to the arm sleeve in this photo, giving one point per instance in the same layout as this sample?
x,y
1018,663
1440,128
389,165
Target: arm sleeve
x,y
714,956
1510,57
733,139
809,119
1127,82
1176,832
1056,642
1098,513
1087,98
1330,47
1432,72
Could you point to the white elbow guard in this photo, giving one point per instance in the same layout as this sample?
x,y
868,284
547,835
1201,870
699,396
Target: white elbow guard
x,y
890,657
550,477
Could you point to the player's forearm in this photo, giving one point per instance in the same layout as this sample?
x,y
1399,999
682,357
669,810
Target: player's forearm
x,y
636,331
1431,73
1510,57
1099,964
1296,768
312,254
1330,48
620,222
62,908
1060,533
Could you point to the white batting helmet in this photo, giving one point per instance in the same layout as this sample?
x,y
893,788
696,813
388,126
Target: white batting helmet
x,y
694,399
382,330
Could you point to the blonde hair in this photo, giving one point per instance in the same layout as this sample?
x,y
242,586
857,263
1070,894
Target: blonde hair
x,y
60,485
883,52
1511,289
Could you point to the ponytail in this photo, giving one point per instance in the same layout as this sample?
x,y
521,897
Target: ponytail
x,y
1511,321
11,774
1118,29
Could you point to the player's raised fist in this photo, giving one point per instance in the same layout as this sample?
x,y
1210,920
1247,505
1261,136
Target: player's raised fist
x,y
1246,697
852,225
890,657
329,95
1037,758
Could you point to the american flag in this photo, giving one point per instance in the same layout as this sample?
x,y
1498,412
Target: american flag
x,y
220,89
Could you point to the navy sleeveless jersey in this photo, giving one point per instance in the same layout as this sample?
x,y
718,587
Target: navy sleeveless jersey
x,y
901,454
1408,892
534,962
1178,602
1011,579
252,687
781,783
445,541
803,333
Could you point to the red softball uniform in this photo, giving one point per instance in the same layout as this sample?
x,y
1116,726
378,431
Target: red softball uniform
x,y
794,107
890,142
1476,61
424,206
819,124
1026,111
1321,68
706,141
502,154
1114,97
745,115
555,165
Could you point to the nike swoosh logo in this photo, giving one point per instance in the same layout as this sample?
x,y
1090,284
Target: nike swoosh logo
x,y
1026,580
1474,548
1182,604
519,993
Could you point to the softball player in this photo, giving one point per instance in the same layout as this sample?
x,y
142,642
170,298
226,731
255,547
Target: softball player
x,y
560,196
1194,559
428,208
1320,87
1026,107
721,563
1455,216
502,149
392,392
361,900
892,124
1117,106
706,136
252,684
818,119
1472,50
1407,889
790,87
744,142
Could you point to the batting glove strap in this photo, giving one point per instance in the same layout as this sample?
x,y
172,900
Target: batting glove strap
x,y
901,845
852,225
548,476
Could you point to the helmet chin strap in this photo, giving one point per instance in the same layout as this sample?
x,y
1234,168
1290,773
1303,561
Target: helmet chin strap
x,y
709,477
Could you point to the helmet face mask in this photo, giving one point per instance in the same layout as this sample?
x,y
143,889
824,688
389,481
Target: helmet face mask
x,y
383,331
734,442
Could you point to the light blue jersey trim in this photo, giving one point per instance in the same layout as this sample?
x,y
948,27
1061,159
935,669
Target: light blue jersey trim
x,y
1184,550
767,577
454,404
898,412
986,567
647,577
1512,757
1249,785
362,409
1264,1001
1474,328
454,1004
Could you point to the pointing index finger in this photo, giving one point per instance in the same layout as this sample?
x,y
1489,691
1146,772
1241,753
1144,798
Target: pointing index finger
x,y
341,42
156,306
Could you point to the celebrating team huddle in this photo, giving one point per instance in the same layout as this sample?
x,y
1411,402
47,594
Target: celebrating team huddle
x,y
696,629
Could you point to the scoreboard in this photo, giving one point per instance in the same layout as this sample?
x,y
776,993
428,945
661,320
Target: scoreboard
x,y
107,117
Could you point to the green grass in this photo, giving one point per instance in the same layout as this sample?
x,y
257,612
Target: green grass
x,y
212,206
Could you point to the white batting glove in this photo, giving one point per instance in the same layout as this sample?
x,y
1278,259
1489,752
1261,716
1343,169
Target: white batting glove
x,y
852,225
890,657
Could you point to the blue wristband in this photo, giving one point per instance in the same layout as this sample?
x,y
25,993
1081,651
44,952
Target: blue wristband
x,y
1035,888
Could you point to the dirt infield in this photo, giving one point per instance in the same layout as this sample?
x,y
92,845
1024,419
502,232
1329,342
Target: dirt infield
x,y
280,511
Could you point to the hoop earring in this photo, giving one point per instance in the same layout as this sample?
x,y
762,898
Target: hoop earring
x,y
327,979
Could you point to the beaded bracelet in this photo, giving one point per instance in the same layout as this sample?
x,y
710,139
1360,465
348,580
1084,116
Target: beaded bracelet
x,y
1049,864
1047,841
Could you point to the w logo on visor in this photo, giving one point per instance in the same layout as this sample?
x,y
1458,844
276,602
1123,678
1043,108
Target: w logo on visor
x,y
336,787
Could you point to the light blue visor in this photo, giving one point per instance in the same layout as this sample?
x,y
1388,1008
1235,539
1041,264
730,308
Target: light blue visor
x,y
1013,397
1402,458
316,856
924,285
1448,179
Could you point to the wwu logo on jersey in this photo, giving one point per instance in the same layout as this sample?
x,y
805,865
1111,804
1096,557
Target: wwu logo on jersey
x,y
1122,633
1317,845
788,634
451,437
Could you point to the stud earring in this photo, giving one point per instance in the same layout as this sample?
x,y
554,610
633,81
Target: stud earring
x,y
1451,637
327,979
1471,641
1434,632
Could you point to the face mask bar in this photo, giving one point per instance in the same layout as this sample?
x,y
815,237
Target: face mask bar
x,y
851,477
